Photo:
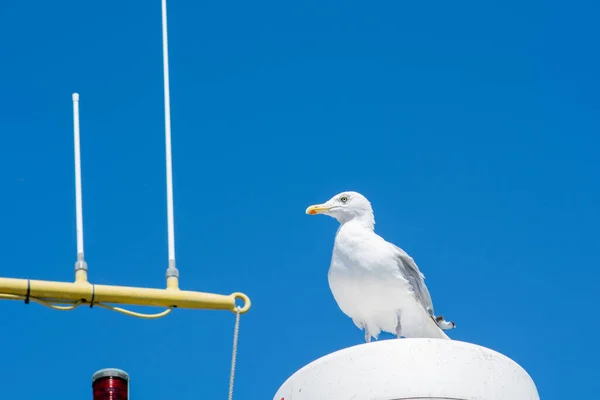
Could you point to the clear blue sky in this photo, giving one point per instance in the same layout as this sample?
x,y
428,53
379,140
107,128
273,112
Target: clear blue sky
x,y
473,129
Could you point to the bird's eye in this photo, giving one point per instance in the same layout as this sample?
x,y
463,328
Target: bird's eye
x,y
343,199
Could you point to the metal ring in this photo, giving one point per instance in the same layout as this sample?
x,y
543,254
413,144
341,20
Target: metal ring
x,y
243,297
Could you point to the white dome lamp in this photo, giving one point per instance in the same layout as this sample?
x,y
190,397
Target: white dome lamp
x,y
423,369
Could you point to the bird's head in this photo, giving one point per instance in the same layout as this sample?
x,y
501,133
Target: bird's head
x,y
346,206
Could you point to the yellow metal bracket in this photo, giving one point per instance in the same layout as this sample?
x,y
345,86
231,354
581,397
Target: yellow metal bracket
x,y
82,292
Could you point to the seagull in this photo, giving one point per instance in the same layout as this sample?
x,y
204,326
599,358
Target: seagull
x,y
375,283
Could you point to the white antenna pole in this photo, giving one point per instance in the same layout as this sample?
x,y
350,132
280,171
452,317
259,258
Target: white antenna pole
x,y
172,270
80,265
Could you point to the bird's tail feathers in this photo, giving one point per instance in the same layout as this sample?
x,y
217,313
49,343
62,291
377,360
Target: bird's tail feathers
x,y
442,323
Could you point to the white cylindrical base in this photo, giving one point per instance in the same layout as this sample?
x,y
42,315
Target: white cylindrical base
x,y
411,369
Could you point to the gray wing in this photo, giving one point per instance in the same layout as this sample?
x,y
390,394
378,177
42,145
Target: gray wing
x,y
409,269
416,279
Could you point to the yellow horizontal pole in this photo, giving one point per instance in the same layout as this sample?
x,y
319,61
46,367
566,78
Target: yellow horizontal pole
x,y
170,297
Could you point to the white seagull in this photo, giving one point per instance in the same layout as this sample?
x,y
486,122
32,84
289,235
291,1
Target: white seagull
x,y
374,282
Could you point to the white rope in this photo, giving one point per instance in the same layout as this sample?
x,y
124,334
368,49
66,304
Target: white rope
x,y
236,331
78,197
167,96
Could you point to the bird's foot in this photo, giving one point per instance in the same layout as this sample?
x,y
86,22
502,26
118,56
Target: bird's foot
x,y
367,336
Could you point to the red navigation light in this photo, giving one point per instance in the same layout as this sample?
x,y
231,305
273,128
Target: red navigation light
x,y
110,384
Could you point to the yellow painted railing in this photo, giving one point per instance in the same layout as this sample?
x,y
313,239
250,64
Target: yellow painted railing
x,y
82,292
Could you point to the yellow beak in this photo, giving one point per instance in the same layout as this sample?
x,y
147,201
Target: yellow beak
x,y
317,209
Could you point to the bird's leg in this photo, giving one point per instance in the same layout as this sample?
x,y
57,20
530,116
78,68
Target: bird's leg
x,y
361,325
398,326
